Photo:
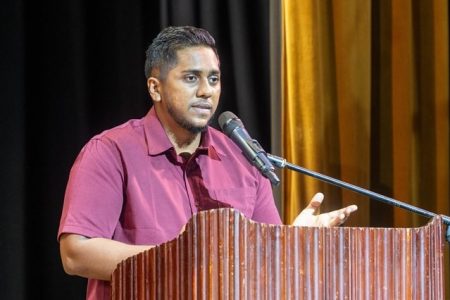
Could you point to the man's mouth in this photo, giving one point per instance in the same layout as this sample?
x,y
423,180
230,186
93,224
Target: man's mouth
x,y
202,107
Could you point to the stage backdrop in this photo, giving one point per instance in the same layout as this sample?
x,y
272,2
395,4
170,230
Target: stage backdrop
x,y
71,69
366,100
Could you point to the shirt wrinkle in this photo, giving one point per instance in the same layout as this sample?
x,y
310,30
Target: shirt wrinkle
x,y
158,196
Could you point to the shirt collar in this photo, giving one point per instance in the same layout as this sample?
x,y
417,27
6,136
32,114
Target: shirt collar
x,y
158,142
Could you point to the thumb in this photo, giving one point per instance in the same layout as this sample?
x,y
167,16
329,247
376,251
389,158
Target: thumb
x,y
314,204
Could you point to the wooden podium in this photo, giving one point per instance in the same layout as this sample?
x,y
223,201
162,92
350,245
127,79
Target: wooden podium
x,y
223,255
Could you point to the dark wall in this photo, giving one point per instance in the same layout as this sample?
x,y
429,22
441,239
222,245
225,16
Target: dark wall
x,y
70,69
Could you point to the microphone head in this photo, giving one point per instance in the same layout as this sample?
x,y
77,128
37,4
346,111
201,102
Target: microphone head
x,y
228,122
225,117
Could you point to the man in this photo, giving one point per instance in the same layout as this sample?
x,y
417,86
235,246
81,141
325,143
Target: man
x,y
136,185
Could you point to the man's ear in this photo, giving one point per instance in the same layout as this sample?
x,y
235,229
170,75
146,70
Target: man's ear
x,y
153,85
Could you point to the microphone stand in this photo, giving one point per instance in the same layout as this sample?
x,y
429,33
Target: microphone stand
x,y
280,162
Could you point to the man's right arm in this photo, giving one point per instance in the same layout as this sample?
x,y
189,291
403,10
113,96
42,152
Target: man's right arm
x,y
94,258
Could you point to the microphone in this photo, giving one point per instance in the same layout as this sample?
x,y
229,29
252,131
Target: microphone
x,y
232,126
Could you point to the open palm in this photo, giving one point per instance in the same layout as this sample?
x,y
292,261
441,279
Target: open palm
x,y
309,216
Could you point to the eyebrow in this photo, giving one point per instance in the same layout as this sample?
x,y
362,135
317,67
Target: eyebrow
x,y
198,72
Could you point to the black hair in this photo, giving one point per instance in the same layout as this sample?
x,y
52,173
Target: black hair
x,y
161,55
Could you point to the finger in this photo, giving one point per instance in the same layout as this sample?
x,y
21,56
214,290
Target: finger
x,y
350,209
314,204
346,211
339,216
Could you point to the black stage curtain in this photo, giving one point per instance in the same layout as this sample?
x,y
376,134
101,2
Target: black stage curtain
x,y
71,69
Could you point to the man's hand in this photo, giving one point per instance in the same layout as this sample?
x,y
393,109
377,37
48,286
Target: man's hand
x,y
334,218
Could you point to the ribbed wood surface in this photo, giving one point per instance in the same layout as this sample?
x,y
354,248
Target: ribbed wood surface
x,y
223,255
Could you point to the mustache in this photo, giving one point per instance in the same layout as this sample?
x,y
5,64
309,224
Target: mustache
x,y
202,104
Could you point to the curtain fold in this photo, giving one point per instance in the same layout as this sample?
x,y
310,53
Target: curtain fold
x,y
300,87
326,100
366,100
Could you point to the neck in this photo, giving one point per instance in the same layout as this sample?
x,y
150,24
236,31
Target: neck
x,y
187,142
182,139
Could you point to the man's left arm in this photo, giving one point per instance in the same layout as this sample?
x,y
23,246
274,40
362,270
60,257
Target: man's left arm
x,y
266,211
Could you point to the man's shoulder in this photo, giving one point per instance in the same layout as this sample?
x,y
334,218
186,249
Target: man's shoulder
x,y
122,138
126,130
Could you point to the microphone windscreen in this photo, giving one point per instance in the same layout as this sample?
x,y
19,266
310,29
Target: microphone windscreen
x,y
228,122
225,117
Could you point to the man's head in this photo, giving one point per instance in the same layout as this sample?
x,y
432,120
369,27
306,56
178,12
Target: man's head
x,y
183,79
161,55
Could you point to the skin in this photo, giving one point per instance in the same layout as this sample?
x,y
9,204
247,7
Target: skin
x,y
309,216
185,100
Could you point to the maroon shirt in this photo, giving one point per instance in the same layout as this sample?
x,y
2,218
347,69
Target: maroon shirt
x,y
128,184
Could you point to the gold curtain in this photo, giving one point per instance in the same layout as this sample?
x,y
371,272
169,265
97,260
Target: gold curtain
x,y
366,100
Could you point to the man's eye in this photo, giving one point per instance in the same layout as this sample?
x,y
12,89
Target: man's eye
x,y
190,78
214,79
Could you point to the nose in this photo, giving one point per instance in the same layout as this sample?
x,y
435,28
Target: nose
x,y
205,90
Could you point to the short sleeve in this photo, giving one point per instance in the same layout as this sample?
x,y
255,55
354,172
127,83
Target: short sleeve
x,y
265,209
94,193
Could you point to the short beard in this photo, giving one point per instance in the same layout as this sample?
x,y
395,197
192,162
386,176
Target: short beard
x,y
186,124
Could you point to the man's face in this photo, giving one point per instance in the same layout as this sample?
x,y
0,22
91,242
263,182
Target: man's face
x,y
190,91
